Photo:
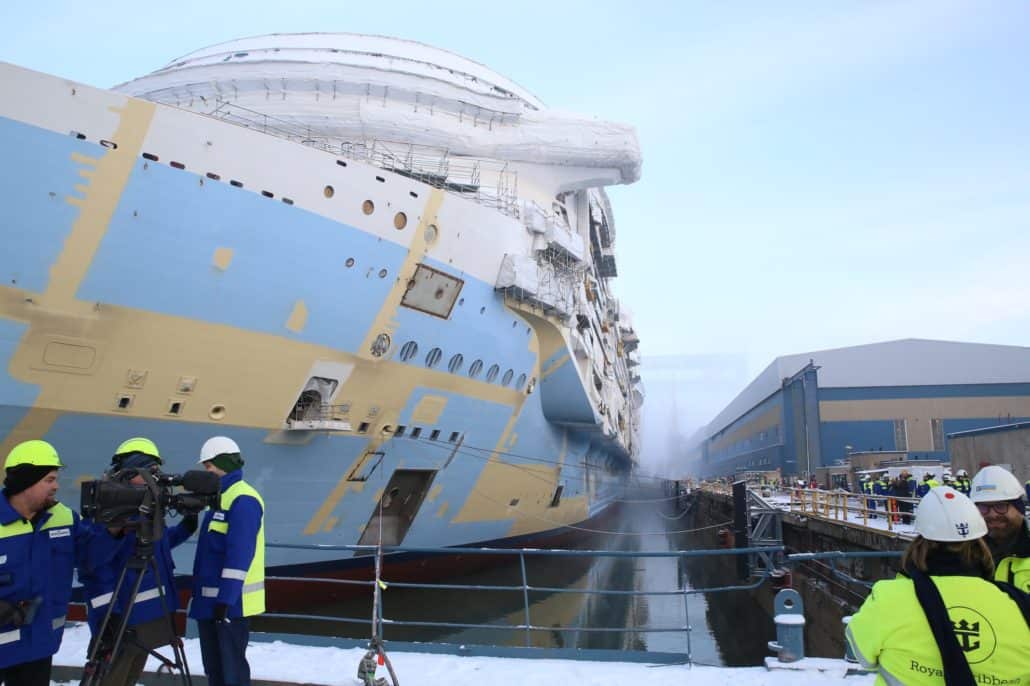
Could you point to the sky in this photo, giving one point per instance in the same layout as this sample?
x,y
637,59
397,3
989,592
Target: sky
x,y
816,174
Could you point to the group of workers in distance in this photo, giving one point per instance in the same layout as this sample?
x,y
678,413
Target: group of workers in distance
x,y
42,543
906,486
958,613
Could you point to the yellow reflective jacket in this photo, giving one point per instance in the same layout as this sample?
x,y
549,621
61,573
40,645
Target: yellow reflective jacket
x,y
890,633
1015,569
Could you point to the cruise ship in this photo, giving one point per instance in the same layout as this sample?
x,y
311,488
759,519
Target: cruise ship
x,y
383,269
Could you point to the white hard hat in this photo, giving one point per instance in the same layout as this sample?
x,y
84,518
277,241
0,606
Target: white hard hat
x,y
217,445
944,514
962,472
994,483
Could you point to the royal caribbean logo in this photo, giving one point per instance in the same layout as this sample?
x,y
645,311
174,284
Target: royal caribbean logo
x,y
962,528
975,634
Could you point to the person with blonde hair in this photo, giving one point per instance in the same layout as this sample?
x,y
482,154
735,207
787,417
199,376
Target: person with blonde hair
x,y
942,620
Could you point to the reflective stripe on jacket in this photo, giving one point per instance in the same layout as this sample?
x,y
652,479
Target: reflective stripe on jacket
x,y
230,564
890,632
107,557
37,560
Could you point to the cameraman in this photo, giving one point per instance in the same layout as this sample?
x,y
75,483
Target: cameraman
x,y
150,623
40,542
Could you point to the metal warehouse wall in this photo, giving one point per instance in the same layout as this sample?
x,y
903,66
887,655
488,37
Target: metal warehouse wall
x,y
1011,446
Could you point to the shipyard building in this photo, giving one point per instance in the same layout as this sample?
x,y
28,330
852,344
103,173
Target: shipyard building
x,y
812,409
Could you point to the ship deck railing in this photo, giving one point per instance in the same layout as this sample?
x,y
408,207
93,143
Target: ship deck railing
x,y
493,183
769,562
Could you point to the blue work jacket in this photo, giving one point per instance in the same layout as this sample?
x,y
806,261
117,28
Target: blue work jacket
x,y
217,577
37,561
108,556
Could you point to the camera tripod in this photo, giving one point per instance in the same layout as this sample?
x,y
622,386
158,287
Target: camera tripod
x,y
149,529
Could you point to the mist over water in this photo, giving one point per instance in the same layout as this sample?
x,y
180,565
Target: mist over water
x,y
683,393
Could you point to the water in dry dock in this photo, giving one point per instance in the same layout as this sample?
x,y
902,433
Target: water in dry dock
x,y
728,628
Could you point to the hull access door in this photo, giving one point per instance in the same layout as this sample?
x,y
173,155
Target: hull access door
x,y
398,506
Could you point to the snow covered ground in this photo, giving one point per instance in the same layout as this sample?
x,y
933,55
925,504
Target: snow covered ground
x,y
854,515
281,661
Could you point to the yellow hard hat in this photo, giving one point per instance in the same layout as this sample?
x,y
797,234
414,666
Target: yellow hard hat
x,y
36,453
139,445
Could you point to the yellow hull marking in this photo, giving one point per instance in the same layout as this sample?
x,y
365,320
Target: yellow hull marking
x,y
429,409
222,258
384,321
298,317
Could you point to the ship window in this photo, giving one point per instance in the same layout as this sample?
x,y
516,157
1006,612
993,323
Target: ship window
x,y
82,137
454,366
175,407
341,163
109,144
409,350
287,201
234,182
433,358
368,207
413,194
475,369
213,176
513,502
491,373
400,220
416,432
268,194
363,428
454,437
506,379
434,435
147,156
520,382
380,179
556,498
399,431
328,191
177,165
124,402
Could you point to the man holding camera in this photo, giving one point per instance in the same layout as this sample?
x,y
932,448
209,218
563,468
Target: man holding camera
x,y
229,570
150,620
40,541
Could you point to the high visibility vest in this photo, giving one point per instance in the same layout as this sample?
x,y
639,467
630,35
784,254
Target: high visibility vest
x,y
254,579
37,563
1014,570
890,632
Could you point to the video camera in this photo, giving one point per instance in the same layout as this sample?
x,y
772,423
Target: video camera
x,y
115,501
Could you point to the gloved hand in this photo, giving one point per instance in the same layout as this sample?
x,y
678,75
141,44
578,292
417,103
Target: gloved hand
x,y
189,522
11,613
221,613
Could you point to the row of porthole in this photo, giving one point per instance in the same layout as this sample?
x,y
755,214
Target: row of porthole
x,y
457,363
400,219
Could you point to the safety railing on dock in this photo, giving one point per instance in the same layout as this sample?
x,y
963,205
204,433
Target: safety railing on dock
x,y
854,508
771,558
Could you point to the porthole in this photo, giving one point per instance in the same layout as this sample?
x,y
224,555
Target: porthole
x,y
433,357
381,345
506,379
400,220
475,369
408,351
328,191
431,234
492,373
217,412
382,273
368,207
349,262
454,366
520,382
482,310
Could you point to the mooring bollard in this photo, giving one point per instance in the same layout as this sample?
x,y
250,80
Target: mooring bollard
x,y
789,645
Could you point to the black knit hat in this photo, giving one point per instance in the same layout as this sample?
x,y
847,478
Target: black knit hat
x,y
25,476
